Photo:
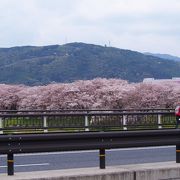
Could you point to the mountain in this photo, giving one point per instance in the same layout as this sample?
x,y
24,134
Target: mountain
x,y
164,56
32,65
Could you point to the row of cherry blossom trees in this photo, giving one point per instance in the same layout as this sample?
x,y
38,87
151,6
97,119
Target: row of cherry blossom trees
x,y
90,94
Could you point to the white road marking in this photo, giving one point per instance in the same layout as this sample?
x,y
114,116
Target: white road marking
x,y
91,151
27,165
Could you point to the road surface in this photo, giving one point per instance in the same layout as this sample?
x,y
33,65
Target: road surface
x,y
81,159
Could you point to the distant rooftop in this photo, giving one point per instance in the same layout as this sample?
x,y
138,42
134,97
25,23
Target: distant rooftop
x,y
174,79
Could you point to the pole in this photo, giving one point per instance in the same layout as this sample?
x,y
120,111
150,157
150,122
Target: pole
x,y
45,123
86,123
159,121
124,122
102,159
1,125
177,153
10,164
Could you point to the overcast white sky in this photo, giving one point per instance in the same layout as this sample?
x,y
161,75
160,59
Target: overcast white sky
x,y
142,25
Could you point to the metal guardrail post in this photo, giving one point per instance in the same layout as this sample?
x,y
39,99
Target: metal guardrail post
x,y
159,121
45,123
102,160
1,124
10,164
124,122
86,123
177,153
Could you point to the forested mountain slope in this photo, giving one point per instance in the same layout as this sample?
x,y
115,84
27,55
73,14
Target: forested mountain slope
x,y
78,61
165,56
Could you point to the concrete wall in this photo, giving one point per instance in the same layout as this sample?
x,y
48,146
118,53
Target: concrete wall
x,y
159,174
150,171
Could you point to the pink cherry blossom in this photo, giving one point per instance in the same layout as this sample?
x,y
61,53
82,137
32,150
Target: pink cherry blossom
x,y
91,94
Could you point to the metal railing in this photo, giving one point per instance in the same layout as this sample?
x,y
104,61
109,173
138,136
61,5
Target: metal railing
x,y
51,142
85,120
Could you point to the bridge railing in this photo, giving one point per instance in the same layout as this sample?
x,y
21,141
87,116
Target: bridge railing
x,y
88,110
85,120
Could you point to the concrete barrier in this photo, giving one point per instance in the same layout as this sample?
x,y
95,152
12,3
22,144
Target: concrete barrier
x,y
149,171
74,174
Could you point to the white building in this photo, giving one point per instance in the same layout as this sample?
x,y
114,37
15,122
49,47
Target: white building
x,y
152,80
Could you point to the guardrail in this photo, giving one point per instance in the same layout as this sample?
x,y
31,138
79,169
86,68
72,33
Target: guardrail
x,y
85,120
43,131
49,142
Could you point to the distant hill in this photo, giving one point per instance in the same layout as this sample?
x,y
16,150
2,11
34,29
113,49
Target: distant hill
x,y
164,56
32,65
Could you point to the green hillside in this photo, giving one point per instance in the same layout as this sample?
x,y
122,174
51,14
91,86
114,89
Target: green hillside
x,y
66,63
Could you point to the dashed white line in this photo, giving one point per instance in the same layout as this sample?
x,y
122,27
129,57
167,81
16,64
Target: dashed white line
x,y
27,165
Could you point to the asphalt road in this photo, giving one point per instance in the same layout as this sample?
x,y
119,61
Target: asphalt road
x,y
81,159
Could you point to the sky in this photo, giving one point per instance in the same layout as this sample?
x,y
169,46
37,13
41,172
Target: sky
x,y
140,25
